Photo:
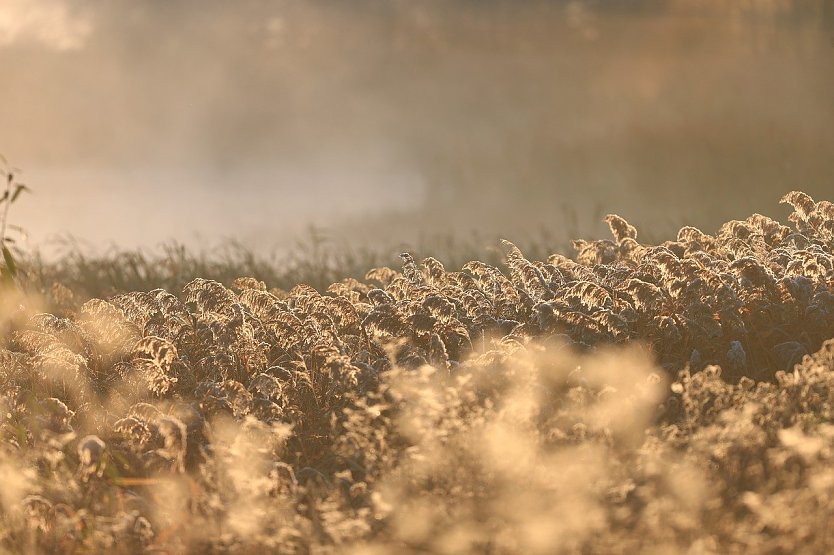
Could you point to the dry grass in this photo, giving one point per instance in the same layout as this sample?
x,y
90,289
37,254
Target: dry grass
x,y
635,398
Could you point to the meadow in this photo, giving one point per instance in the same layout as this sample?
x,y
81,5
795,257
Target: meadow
x,y
670,396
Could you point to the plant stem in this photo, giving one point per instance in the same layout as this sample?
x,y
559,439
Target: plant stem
x,y
9,179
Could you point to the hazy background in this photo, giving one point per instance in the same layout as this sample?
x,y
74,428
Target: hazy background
x,y
389,120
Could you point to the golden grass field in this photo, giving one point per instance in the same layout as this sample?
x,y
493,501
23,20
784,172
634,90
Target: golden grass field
x,y
629,398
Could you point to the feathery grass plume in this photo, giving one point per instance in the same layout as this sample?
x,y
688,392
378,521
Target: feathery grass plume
x,y
350,288
645,296
58,371
383,275
138,307
244,283
524,274
590,253
735,229
803,205
262,304
344,314
208,296
825,208
433,271
620,228
771,230
108,328
571,269
153,358
689,234
589,295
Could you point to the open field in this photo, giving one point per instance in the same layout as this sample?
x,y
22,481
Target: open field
x,y
310,276
668,398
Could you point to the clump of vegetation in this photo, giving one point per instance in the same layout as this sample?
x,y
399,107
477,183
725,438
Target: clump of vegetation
x,y
316,259
672,397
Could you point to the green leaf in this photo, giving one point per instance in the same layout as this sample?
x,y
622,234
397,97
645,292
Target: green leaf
x,y
11,265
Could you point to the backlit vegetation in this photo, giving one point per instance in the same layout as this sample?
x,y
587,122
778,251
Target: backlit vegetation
x,y
633,398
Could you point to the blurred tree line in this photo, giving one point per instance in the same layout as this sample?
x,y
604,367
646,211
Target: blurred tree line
x,y
506,106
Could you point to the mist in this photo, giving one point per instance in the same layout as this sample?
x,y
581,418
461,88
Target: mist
x,y
139,122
